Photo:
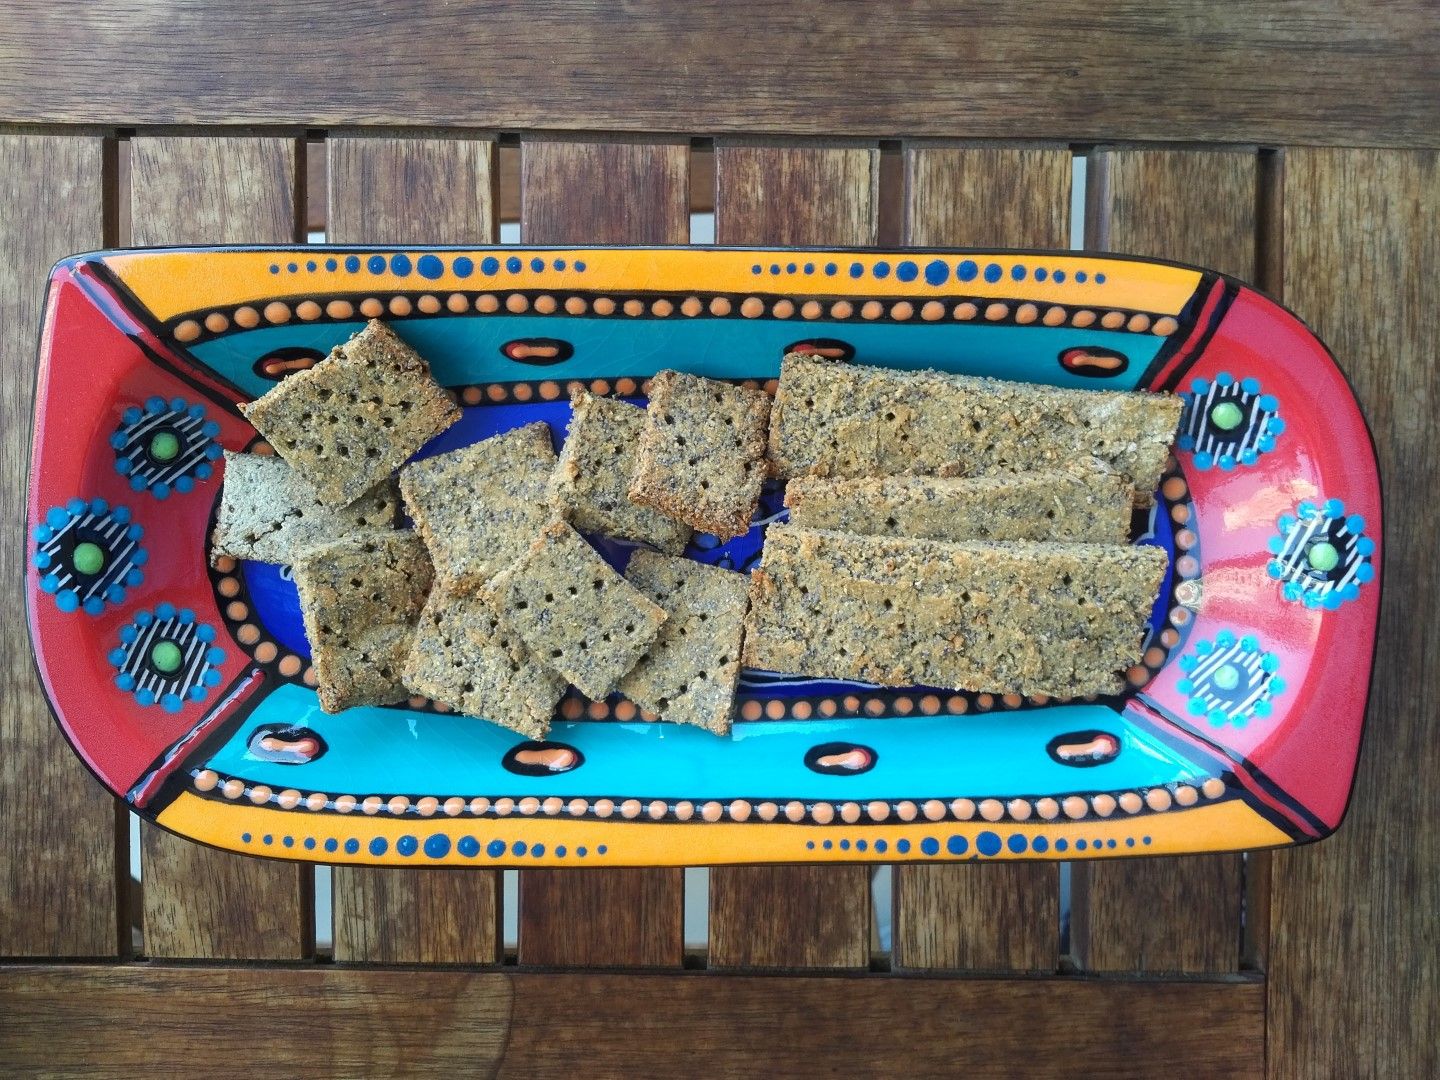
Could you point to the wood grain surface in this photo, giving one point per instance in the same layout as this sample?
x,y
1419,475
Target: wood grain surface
x,y
792,916
1355,943
1181,914
608,193
138,1019
200,902
62,836
413,191
1324,72
997,916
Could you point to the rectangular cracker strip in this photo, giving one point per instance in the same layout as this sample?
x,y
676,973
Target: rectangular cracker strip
x,y
690,672
355,417
464,656
269,513
574,612
1083,506
849,420
1025,618
479,508
590,482
701,456
359,599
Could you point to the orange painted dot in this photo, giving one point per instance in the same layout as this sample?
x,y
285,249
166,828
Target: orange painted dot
x,y
228,586
811,309
963,809
1019,809
516,303
1138,323
1169,638
604,306
457,302
739,810
316,801
546,304
956,704
929,704
1187,566
842,309
851,703
902,311
552,806
496,392
604,808
691,306
932,310
206,780
400,305
236,610
906,810
648,716
1154,656
1026,314
991,809
471,395
1186,795
630,809
576,305
770,386
874,707
1084,318
189,330
1012,701
345,804
827,707
233,789
1158,799
216,322
625,387
504,807
308,310
487,303
265,652
260,794
1174,488
428,304
225,564
1213,788
1130,802
247,317
904,705
1103,804
966,311
398,805
751,710
996,311
597,710
822,813
985,701
933,809
850,813
1112,320
684,811
248,634
626,710
1164,327
871,309
657,809
634,307
1075,807
1137,676
775,710
1186,538
479,804
1180,514
1047,808
720,306
1054,316
766,811
427,806
344,309
277,312
1039,699
752,307
371,307
878,810
453,806
801,710
782,309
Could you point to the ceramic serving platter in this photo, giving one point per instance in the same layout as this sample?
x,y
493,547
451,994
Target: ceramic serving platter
x,y
187,688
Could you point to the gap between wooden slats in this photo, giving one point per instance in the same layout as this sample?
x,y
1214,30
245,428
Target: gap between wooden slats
x,y
1354,961
793,916
1169,914
413,191
63,843
992,916
201,902
579,192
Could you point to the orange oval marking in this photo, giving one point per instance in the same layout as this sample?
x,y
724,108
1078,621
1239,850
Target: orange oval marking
x,y
555,758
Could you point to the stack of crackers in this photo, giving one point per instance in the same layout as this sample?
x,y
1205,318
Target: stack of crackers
x,y
494,603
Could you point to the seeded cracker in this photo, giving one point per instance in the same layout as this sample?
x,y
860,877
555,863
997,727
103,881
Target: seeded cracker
x,y
269,514
1025,618
588,487
355,417
479,508
466,658
574,612
701,458
1088,506
359,599
689,674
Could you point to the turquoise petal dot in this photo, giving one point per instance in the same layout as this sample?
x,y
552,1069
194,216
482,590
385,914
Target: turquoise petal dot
x,y
1203,461
1277,685
1364,572
95,605
1287,521
125,682
1334,508
1204,648
1185,442
205,633
183,484
139,556
1262,708
130,415
215,656
56,517
137,483
1270,662
42,560
202,471
128,633
1250,385
160,491
1292,591
1224,379
155,404
1333,600
135,532
1188,663
123,466
145,697
118,440
1265,443
1196,706
1248,456
1275,569
1217,717
197,693
187,616
67,600
1242,721
1227,462
197,412
144,618
1199,386
117,657
1225,639
42,533
1350,592
165,611
1184,686
1276,426
1249,641
1365,546
1355,523
1307,509
1268,402
210,429
211,678
1311,600
49,583
1276,545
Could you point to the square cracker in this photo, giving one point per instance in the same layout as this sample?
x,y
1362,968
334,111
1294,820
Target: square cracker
x,y
479,508
360,598
466,657
590,482
269,513
574,612
689,674
701,457
353,419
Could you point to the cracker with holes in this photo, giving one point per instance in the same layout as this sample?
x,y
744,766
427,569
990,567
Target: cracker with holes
x,y
588,487
359,599
464,656
574,612
355,417
479,508
269,513
701,455
689,674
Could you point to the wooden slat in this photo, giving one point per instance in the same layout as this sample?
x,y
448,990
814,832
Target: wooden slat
x,y
998,916
1109,69
608,193
793,916
1183,914
413,191
1354,955
200,902
62,847
167,1021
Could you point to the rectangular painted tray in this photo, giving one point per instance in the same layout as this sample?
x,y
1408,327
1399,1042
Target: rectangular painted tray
x,y
1240,730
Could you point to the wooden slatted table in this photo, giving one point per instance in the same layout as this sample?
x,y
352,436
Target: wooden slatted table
x,y
1237,143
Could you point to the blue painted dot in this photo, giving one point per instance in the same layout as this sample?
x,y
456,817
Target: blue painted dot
x,y
1081,845
1058,276
1062,844
831,269
429,266
1040,845
437,845
601,849
774,268
966,270
809,268
827,844
537,265
352,263
1145,841
844,845
332,844
1016,842
558,264
463,266
169,702
902,846
310,266
937,272
331,265
882,269
537,850
495,848
292,268
407,845
907,271
267,839
400,265
579,266
289,841
993,272
274,269
244,837
988,843
379,845
930,846
957,845
880,846
352,846
582,852
757,268
1110,843
559,851
513,264
1129,841
375,264
518,847
1017,272
489,265
468,846
1099,279
857,270
309,843
861,845
810,845
1081,276
790,268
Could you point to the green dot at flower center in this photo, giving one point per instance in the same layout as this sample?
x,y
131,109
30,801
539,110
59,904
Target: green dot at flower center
x,y
1228,677
166,657
1323,556
88,558
164,446
1227,416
